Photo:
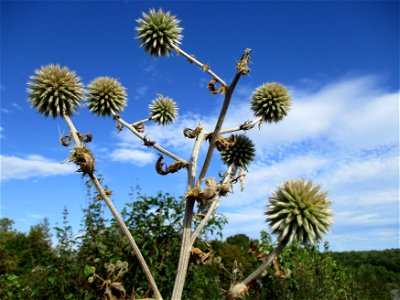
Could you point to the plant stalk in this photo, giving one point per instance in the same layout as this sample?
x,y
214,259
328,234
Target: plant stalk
x,y
155,146
186,245
202,66
242,287
118,218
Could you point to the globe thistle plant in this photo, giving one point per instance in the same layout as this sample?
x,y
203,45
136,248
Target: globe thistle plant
x,y
106,96
163,110
241,153
158,32
271,102
55,91
299,211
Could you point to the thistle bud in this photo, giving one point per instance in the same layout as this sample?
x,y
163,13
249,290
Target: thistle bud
x,y
163,109
299,211
158,31
106,96
241,153
271,101
55,91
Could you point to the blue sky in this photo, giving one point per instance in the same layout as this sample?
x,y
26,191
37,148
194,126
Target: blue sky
x,y
339,60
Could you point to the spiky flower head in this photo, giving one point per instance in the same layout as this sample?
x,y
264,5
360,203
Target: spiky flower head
x,y
271,101
299,211
158,31
106,96
163,110
241,153
55,91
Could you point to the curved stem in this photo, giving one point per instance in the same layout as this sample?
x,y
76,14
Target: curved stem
x,y
129,236
245,284
142,137
202,66
118,218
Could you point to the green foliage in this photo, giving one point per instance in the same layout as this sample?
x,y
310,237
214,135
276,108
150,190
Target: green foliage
x,y
88,265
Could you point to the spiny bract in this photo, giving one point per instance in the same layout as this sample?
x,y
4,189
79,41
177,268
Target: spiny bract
x,y
299,211
271,101
158,31
106,96
55,91
163,110
241,153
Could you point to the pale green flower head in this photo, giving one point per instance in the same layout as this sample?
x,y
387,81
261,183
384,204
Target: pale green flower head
x,y
106,96
163,110
55,91
158,31
271,101
300,212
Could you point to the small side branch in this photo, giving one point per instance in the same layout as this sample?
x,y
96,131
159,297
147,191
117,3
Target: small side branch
x,y
204,67
144,139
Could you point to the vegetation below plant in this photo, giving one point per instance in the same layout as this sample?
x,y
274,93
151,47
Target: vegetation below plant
x,y
98,261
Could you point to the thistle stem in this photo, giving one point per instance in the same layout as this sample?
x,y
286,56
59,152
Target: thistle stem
x,y
187,223
186,244
213,207
146,120
234,292
142,137
118,218
201,65
238,128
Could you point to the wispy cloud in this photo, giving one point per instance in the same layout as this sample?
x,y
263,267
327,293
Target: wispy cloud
x,y
32,166
134,156
344,136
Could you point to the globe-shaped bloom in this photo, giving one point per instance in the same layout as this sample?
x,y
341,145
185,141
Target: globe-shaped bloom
x,y
55,91
241,153
299,211
163,110
106,96
271,101
158,31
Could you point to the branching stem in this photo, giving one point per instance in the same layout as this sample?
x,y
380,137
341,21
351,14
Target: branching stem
x,y
118,218
207,69
143,138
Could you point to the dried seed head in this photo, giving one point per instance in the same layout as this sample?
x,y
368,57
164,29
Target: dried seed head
x,y
241,153
299,212
164,109
55,91
158,31
83,158
106,96
271,101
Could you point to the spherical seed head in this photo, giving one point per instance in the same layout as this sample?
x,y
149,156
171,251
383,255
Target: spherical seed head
x,y
158,31
271,101
106,96
163,109
241,153
299,211
55,91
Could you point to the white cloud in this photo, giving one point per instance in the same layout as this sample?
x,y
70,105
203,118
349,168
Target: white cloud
x,y
344,136
133,156
13,167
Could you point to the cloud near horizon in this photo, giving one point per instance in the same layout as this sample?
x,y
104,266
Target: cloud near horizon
x,y
31,166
